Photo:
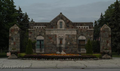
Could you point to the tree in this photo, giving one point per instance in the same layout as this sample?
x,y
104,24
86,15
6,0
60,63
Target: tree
x,y
23,22
88,47
29,47
9,16
115,25
96,31
7,19
96,46
112,19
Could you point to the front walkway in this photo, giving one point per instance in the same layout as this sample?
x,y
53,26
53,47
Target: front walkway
x,y
59,64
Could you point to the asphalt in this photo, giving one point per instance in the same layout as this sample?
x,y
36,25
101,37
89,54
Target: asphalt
x,y
113,63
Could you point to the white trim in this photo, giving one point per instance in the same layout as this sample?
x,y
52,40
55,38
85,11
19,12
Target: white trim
x,y
83,27
40,38
82,38
37,27
63,24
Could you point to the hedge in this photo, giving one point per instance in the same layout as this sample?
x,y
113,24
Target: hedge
x,y
3,55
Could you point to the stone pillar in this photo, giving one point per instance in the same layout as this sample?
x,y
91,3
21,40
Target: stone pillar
x,y
14,41
105,41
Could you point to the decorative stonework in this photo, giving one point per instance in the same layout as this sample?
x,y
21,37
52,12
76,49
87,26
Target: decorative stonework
x,y
105,39
14,39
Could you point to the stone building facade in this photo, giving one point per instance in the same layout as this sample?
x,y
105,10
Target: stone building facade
x,y
60,36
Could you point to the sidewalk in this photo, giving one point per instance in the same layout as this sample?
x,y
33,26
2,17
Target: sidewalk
x,y
60,64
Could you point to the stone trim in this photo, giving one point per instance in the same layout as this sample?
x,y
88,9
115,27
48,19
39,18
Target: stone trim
x,y
63,24
36,27
83,27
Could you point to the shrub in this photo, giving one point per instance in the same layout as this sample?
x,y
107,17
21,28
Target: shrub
x,y
29,47
3,55
88,47
96,46
97,55
21,54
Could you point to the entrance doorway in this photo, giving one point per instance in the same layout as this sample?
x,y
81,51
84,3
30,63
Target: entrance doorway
x,y
40,45
81,44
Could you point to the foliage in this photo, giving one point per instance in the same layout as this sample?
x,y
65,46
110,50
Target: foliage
x,y
21,54
33,44
88,47
114,24
29,49
97,55
96,46
3,55
9,16
112,19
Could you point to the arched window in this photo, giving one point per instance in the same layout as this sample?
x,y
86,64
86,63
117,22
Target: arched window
x,y
40,44
61,24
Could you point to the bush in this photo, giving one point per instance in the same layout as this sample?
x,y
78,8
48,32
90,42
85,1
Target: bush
x,y
114,53
21,54
96,46
3,55
88,47
29,49
97,55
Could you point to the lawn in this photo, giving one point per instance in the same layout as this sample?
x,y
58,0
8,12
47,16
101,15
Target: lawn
x,y
3,55
115,55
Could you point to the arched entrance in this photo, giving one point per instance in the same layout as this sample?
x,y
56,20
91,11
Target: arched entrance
x,y
81,44
40,44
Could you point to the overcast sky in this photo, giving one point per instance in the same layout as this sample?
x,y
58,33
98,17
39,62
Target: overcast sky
x,y
75,10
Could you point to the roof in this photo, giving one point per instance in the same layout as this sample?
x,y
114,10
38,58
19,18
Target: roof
x,y
56,18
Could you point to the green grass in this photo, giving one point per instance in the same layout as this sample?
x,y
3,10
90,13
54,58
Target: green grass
x,y
97,55
21,54
3,55
115,55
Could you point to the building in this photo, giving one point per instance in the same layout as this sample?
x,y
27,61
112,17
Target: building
x,y
60,36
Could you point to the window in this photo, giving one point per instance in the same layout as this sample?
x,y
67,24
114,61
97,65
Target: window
x,y
61,24
40,45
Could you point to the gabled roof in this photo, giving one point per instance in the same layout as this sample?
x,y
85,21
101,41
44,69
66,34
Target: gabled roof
x,y
61,16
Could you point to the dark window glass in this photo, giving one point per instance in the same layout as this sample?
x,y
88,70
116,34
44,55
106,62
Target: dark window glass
x,y
60,24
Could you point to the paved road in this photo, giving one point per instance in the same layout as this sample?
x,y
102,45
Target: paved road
x,y
60,64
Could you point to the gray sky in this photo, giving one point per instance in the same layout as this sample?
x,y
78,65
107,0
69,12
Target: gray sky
x,y
75,10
